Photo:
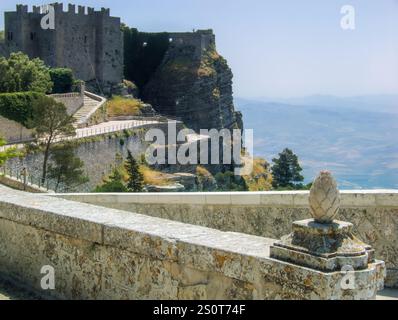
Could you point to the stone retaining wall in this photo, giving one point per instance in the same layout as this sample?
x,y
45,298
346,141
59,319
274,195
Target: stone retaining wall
x,y
100,253
268,214
13,131
72,101
18,185
109,146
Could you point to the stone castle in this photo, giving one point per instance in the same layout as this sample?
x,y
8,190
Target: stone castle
x,y
87,41
91,43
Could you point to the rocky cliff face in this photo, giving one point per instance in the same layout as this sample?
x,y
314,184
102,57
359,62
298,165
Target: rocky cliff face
x,y
195,85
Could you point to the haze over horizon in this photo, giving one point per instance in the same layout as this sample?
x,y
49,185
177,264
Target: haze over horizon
x,y
280,49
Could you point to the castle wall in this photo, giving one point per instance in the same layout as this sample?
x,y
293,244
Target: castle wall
x,y
200,40
3,49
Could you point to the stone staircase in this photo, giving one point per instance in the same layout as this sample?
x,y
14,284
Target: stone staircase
x,y
91,104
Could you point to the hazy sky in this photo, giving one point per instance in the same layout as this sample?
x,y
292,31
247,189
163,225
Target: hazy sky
x,y
281,48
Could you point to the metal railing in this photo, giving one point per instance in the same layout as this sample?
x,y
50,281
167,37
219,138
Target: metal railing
x,y
97,131
26,180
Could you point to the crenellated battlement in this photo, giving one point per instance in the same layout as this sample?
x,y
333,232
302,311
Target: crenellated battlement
x,y
59,8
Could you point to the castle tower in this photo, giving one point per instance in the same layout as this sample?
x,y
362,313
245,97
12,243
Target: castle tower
x,y
87,41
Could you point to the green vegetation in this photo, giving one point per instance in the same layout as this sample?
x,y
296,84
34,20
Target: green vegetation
x,y
131,87
2,35
135,181
62,79
141,61
20,74
8,153
154,177
228,181
66,168
119,106
51,121
18,106
260,179
286,171
205,180
130,176
113,184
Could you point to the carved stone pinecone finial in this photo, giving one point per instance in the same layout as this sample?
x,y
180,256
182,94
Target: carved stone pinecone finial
x,y
324,198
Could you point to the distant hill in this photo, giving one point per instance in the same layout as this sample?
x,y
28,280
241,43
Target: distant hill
x,y
356,138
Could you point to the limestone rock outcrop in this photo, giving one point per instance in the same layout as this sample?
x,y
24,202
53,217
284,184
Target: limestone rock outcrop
x,y
195,85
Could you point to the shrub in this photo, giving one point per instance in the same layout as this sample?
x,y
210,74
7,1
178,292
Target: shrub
x,y
111,186
63,80
227,181
18,106
119,106
114,183
20,74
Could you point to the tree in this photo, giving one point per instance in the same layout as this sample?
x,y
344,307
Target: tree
x,y
63,80
67,168
286,170
50,121
8,153
228,181
113,184
19,73
136,179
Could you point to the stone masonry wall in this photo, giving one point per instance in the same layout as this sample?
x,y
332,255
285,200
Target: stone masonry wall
x,y
269,214
72,101
100,253
100,154
13,131
3,49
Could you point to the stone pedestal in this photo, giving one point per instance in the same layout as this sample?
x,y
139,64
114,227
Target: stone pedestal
x,y
328,247
324,247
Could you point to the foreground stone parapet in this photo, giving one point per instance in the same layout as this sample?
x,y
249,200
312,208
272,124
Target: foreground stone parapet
x,y
329,245
374,214
101,253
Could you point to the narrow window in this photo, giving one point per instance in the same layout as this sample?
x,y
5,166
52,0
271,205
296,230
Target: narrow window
x,y
32,36
85,39
9,36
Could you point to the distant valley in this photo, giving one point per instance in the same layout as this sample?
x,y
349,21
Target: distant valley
x,y
355,138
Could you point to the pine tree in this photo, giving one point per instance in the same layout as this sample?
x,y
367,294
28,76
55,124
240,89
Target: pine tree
x,y
136,179
50,121
67,168
286,170
113,184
